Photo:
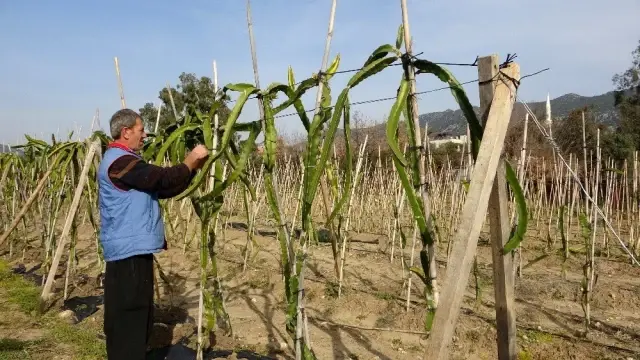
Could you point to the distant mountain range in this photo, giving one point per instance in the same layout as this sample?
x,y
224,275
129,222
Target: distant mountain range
x,y
452,122
449,123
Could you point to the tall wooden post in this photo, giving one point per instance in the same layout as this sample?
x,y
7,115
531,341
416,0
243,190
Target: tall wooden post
x,y
473,215
499,226
75,203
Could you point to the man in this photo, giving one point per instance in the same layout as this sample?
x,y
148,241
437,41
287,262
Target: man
x,y
131,231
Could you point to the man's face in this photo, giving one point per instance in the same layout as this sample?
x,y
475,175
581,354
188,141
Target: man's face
x,y
135,135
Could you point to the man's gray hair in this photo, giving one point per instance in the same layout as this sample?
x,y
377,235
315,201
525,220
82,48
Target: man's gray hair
x,y
122,119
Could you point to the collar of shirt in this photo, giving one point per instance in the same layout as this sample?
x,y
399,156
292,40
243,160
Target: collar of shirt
x,y
122,147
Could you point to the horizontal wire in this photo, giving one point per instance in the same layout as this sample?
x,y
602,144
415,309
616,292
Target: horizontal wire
x,y
398,64
417,93
473,64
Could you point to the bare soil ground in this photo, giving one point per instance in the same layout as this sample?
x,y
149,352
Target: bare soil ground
x,y
369,320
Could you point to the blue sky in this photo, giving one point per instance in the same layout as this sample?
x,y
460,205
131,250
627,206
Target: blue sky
x,y
57,63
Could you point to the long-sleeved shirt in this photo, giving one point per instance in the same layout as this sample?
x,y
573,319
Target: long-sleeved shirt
x,y
130,172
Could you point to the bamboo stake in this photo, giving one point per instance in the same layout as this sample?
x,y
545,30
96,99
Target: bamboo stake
x,y
348,210
122,102
324,191
5,172
173,104
13,212
634,200
155,128
301,314
584,158
251,205
71,250
413,106
521,172
590,266
399,201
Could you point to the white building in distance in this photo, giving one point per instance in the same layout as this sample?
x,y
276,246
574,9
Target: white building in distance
x,y
460,140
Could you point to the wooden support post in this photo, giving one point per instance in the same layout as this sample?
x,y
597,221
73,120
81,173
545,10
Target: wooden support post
x,y
499,226
473,215
75,203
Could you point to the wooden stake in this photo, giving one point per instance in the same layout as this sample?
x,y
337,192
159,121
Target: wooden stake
x,y
122,102
473,215
46,291
499,226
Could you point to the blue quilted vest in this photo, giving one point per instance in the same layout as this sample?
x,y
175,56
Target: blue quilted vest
x,y
130,221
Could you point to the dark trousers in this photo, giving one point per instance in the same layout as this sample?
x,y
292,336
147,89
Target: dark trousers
x,y
128,307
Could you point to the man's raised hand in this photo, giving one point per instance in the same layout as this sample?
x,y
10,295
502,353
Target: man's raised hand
x,y
196,158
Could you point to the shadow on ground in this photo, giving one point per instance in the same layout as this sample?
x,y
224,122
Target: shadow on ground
x,y
83,306
29,274
181,352
171,325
